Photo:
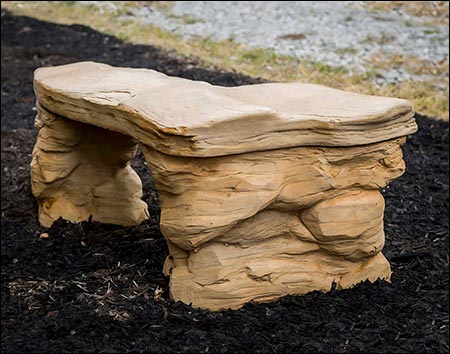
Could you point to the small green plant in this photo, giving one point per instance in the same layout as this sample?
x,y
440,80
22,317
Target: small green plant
x,y
431,31
68,3
186,19
343,51
258,55
328,69
408,24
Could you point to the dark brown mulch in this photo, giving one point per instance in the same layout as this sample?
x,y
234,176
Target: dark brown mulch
x,y
90,287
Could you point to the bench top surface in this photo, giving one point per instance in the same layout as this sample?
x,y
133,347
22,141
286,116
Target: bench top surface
x,y
193,118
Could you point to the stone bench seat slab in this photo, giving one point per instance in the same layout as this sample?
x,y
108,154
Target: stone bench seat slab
x,y
191,118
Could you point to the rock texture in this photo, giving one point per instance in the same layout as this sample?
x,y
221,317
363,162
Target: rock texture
x,y
80,171
265,190
261,225
191,118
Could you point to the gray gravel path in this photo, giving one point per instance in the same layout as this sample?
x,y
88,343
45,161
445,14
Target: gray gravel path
x,y
335,33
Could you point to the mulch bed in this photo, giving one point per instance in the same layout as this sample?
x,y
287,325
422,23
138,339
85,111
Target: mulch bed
x,y
91,287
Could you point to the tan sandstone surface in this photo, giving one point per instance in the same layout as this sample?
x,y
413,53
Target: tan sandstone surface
x,y
266,190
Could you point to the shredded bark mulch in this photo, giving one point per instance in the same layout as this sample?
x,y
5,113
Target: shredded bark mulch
x,y
99,288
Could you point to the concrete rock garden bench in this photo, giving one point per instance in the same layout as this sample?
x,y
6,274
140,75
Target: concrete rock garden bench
x,y
266,190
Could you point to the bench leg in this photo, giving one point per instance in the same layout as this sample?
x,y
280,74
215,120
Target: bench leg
x,y
79,171
258,226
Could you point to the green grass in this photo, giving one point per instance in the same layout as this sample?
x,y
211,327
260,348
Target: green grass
x,y
342,51
327,69
431,31
186,19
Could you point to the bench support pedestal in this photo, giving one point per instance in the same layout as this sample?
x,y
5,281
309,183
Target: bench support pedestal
x,y
79,171
261,225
